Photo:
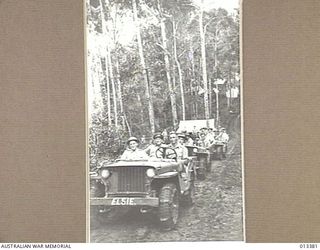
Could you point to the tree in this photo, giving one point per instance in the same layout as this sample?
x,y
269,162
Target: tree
x,y
144,68
105,52
204,64
183,108
167,67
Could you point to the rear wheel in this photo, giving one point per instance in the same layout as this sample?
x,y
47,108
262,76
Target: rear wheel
x,y
169,206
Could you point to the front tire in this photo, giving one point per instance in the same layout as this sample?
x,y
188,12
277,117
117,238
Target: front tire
x,y
169,206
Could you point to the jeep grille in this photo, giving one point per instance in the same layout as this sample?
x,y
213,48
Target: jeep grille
x,y
128,180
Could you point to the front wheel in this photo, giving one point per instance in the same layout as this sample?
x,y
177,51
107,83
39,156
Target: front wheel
x,y
169,206
188,199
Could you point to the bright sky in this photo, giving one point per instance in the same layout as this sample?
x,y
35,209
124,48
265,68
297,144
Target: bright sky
x,y
127,30
229,5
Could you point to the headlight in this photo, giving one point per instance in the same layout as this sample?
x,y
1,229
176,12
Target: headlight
x,y
150,173
105,173
195,150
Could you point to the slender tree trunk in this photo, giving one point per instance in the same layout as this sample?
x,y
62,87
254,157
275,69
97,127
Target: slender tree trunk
x,y
119,88
143,65
173,68
179,70
204,66
108,91
167,66
210,95
114,96
106,69
192,61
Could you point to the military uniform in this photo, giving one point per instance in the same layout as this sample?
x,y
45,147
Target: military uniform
x,y
134,155
182,151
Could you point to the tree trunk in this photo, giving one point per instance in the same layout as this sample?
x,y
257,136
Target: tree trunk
x,y
167,66
204,65
104,33
143,65
114,96
108,91
119,89
179,70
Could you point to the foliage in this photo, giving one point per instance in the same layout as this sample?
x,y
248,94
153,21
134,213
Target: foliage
x,y
222,58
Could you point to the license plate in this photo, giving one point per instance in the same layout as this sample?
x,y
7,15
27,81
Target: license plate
x,y
122,202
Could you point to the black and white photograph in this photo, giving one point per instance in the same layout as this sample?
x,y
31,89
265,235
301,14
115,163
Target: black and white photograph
x,y
164,120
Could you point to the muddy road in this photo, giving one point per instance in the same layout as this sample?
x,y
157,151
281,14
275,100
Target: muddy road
x,y
215,216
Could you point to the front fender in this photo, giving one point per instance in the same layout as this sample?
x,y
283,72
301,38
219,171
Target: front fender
x,y
166,175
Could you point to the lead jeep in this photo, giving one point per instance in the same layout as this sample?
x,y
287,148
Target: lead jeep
x,y
201,159
159,184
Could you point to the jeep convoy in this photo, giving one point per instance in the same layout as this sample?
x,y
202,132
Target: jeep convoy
x,y
159,184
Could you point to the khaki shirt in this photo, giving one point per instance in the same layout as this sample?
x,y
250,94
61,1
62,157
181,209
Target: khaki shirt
x,y
138,154
182,151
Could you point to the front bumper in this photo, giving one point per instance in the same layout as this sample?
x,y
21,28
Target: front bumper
x,y
125,201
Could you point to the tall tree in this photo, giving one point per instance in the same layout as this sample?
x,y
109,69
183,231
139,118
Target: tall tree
x,y
204,64
167,66
143,65
178,68
104,51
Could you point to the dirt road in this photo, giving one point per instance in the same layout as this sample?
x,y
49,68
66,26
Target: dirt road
x,y
215,216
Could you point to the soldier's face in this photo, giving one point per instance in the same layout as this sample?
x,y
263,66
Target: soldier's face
x,y
181,140
173,138
133,145
158,141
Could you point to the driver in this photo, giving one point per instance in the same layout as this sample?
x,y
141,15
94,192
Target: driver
x,y
133,152
157,143
182,151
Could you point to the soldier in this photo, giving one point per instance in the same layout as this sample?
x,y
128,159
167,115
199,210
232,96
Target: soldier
x,y
189,141
224,137
157,143
133,152
182,139
182,151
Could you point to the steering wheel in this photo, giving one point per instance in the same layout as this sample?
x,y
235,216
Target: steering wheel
x,y
166,153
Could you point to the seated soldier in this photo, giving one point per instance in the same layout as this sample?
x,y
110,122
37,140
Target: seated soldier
x,y
181,150
224,137
189,140
133,152
202,142
182,139
157,143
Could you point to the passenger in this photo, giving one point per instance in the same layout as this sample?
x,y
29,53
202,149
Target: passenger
x,y
197,141
165,135
216,134
182,139
202,142
189,140
210,136
157,143
182,151
224,136
133,152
